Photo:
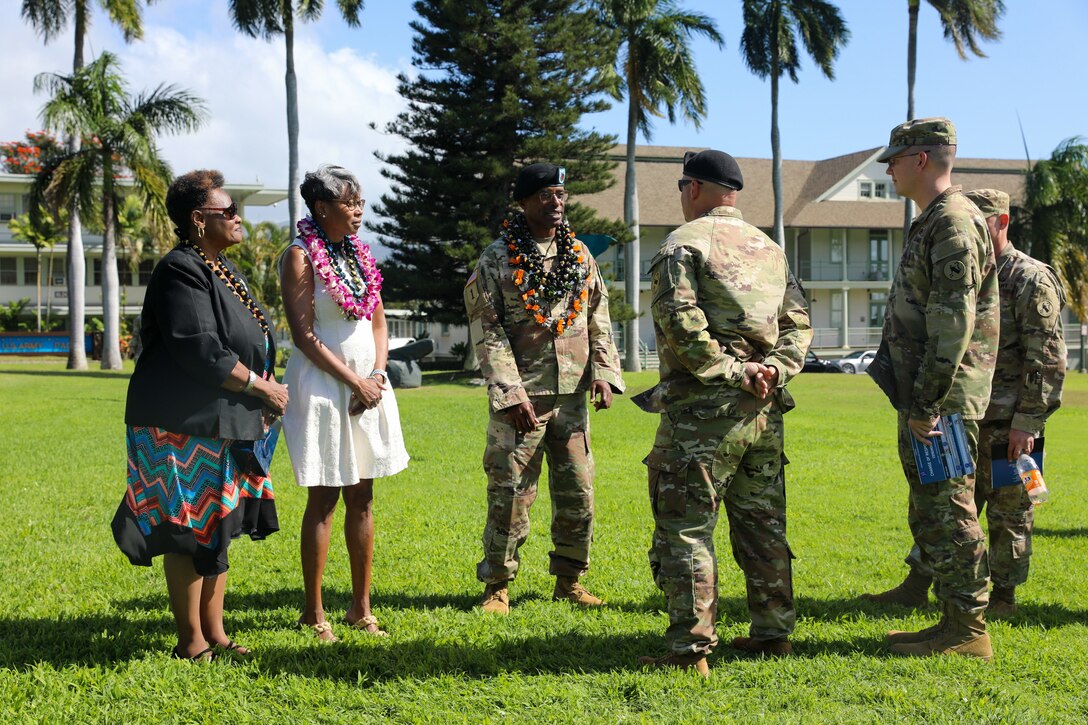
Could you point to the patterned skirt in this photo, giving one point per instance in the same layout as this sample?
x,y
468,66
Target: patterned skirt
x,y
187,495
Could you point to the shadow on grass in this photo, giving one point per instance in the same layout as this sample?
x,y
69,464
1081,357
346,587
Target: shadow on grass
x,y
1075,533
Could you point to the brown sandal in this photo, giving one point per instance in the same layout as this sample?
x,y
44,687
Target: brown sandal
x,y
364,624
320,630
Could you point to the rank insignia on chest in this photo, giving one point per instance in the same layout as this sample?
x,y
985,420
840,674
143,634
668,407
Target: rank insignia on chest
x,y
955,270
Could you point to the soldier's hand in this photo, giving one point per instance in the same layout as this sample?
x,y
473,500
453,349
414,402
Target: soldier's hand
x,y
1020,441
523,416
923,430
756,380
600,393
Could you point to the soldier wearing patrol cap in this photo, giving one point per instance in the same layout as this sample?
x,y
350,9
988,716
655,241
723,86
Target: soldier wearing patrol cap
x,y
937,358
732,329
538,317
1027,388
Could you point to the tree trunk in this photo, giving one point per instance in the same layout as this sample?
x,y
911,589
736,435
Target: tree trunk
x,y
294,202
111,297
912,66
77,270
38,284
776,159
632,264
49,290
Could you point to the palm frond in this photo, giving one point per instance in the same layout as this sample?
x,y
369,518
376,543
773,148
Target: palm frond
x,y
48,17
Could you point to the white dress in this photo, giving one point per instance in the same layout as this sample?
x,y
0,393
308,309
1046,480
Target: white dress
x,y
328,447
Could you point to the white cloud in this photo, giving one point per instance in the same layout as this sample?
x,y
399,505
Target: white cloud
x,y
242,83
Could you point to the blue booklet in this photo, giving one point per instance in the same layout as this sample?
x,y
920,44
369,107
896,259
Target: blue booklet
x,y
1003,473
948,455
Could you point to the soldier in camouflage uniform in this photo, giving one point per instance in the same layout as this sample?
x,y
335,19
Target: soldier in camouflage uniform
x,y
936,358
538,317
1027,388
732,329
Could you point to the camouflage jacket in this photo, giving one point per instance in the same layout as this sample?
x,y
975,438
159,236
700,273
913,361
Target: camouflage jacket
x,y
521,358
941,323
723,295
1030,370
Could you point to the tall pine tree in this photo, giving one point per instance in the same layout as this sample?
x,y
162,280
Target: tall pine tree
x,y
502,83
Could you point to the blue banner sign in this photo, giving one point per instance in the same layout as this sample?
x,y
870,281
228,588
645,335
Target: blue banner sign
x,y
33,343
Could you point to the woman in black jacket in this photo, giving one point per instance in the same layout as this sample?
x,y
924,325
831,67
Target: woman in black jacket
x,y
203,382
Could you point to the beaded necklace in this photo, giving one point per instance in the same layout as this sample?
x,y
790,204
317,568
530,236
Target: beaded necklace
x,y
236,286
570,274
348,269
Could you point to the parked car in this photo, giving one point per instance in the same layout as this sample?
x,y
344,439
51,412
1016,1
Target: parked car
x,y
857,362
816,364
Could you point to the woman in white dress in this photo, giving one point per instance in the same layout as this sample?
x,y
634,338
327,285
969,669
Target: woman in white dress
x,y
342,428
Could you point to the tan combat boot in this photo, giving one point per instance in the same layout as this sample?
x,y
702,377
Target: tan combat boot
x,y
568,589
768,647
964,634
1002,603
682,662
897,636
913,592
496,599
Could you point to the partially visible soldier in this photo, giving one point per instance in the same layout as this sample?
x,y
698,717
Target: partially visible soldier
x,y
1027,388
732,329
538,317
937,358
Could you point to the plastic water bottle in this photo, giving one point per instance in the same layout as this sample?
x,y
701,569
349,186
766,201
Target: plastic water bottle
x,y
1032,478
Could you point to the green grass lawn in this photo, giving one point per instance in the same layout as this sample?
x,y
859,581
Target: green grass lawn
x,y
86,637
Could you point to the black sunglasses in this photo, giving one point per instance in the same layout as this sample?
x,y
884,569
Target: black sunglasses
x,y
229,212
681,183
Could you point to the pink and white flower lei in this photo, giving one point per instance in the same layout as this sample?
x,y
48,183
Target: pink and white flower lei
x,y
354,307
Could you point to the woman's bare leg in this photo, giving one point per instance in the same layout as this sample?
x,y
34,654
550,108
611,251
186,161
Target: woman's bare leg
x,y
359,535
183,585
316,527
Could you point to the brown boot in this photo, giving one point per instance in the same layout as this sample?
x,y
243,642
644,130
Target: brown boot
x,y
769,647
568,589
496,599
683,662
897,636
964,634
1002,603
913,592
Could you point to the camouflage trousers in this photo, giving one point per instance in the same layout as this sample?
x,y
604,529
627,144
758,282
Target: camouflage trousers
x,y
1009,515
700,459
944,523
512,462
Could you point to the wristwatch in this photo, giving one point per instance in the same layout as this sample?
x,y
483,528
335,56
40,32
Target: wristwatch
x,y
250,383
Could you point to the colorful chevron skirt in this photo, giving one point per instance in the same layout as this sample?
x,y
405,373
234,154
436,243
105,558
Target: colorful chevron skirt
x,y
186,495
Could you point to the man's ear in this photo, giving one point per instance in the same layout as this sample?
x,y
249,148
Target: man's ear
x,y
1002,221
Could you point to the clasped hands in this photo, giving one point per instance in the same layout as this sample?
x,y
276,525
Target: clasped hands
x,y
759,380
366,393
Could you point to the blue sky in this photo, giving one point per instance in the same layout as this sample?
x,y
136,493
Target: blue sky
x,y
347,80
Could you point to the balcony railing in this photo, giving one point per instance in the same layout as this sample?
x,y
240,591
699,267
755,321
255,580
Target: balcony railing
x,y
816,271
857,337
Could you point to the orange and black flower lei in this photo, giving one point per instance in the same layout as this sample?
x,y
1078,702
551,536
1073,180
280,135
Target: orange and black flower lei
x,y
541,290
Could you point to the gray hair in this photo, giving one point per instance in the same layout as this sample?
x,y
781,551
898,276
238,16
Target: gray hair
x,y
329,183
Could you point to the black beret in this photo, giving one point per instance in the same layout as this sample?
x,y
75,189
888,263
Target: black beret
x,y
535,177
717,167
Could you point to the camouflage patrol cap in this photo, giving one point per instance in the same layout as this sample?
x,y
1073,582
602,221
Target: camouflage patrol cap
x,y
919,132
991,202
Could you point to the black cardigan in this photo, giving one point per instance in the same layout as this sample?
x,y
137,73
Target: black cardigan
x,y
193,331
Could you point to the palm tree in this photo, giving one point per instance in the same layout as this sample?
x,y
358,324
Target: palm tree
x,y
1054,221
268,18
259,260
94,104
49,231
50,18
769,47
965,23
656,70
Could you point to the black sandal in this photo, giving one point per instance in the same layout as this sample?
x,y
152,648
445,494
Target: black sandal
x,y
198,657
235,649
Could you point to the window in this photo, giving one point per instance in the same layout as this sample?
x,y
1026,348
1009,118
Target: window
x,y
30,271
877,302
7,270
837,243
836,309
147,266
7,207
879,255
865,189
880,190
